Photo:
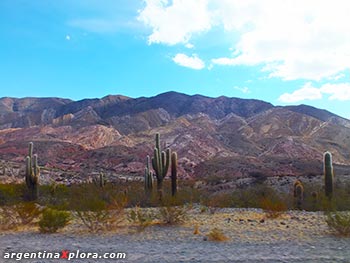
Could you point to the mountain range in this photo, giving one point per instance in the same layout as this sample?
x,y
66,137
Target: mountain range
x,y
214,137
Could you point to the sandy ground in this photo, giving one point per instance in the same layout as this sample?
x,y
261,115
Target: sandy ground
x,y
296,236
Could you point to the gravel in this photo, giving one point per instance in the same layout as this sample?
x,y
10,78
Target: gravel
x,y
323,250
295,237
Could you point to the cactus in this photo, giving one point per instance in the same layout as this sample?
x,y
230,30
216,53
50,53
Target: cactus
x,y
160,164
173,173
148,177
328,175
32,173
100,181
294,187
298,193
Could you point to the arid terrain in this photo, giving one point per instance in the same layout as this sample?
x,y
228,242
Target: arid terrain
x,y
223,138
293,237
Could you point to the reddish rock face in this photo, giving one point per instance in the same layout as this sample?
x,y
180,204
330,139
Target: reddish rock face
x,y
224,137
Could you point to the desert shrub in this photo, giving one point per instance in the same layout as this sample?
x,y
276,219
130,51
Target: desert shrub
x,y
140,217
11,193
216,234
99,216
341,197
339,222
273,208
26,212
203,209
258,177
8,219
172,215
52,220
19,214
219,200
55,195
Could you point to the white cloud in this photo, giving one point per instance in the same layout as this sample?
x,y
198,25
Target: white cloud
x,y
193,62
175,22
290,39
337,77
189,45
244,90
67,37
307,92
340,91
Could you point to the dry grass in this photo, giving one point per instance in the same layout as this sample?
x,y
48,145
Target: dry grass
x,y
101,217
19,215
273,208
172,215
140,217
196,230
339,223
216,234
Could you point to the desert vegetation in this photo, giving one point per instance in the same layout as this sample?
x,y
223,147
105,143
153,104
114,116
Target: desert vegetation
x,y
102,206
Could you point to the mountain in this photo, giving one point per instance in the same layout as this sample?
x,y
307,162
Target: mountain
x,y
214,137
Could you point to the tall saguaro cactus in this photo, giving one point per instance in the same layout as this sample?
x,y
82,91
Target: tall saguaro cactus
x,y
148,177
160,164
328,175
173,173
32,173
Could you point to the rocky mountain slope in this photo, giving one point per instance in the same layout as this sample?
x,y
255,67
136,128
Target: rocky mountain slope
x,y
214,137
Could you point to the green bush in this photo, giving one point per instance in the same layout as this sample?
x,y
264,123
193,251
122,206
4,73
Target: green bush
x,y
339,222
52,220
98,216
11,193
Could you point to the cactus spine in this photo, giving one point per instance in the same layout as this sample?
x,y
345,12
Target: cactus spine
x,y
298,193
32,173
148,177
160,164
328,175
173,173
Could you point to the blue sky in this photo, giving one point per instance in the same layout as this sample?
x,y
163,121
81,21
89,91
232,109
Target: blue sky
x,y
284,52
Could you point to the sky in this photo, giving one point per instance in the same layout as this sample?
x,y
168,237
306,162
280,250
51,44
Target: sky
x,y
287,52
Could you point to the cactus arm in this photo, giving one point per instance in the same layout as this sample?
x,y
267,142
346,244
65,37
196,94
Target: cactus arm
x,y
147,162
28,171
148,177
36,166
30,150
163,158
173,173
158,141
167,162
157,163
154,164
